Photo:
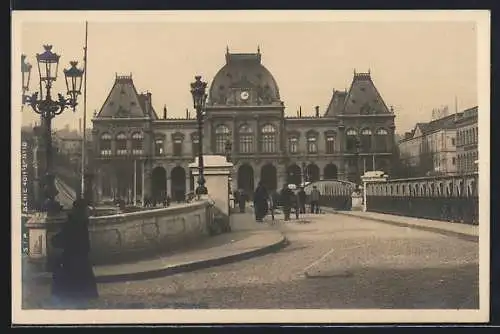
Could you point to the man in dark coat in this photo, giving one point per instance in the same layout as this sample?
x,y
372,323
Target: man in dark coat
x,y
73,277
260,202
287,201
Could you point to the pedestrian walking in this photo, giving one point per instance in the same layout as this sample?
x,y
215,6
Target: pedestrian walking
x,y
314,199
73,279
287,198
260,202
242,200
302,200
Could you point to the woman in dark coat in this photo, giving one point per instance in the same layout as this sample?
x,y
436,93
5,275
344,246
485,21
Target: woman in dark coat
x,y
73,278
260,202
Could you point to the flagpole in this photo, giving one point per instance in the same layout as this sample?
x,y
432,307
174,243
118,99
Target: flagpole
x,y
84,110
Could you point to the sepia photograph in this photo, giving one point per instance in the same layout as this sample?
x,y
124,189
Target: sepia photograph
x,y
250,167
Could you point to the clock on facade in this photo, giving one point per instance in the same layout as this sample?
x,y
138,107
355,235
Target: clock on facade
x,y
244,95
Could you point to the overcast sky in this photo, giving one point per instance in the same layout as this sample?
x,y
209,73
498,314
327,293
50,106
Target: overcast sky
x,y
416,66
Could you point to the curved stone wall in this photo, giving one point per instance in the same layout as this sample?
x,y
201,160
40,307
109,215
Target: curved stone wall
x,y
130,236
127,237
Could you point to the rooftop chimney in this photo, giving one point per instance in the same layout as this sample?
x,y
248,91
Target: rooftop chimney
x,y
164,112
317,111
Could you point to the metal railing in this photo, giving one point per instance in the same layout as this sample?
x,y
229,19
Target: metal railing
x,y
335,194
447,198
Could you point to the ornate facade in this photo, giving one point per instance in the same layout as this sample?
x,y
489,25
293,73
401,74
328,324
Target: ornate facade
x,y
244,107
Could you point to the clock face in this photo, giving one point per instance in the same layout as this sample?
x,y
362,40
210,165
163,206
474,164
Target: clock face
x,y
244,95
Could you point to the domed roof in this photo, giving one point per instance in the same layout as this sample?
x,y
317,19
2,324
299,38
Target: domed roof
x,y
243,72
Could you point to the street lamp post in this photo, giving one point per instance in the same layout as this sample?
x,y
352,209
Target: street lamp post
x,y
199,98
304,174
47,108
358,148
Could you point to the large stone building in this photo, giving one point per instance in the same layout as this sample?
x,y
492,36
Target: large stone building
x,y
244,107
445,146
467,140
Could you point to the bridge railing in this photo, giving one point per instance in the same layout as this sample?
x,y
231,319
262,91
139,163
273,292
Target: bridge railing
x,y
447,198
335,194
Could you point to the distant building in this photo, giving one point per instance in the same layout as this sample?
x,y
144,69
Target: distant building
x,y
443,146
467,140
244,107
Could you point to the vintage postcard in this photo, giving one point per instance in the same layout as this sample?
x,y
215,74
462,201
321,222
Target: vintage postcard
x,y
250,167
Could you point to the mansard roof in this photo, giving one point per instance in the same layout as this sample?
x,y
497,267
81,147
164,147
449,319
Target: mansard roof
x,y
362,98
123,101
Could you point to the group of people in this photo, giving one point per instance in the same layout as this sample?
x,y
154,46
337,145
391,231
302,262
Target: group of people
x,y
265,201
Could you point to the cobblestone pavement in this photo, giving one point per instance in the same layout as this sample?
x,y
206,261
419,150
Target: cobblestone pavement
x,y
332,262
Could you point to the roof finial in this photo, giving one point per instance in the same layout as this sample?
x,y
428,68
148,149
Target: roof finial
x,y
227,49
354,71
258,49
368,71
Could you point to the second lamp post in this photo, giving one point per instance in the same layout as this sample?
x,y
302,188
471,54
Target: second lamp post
x,y
199,99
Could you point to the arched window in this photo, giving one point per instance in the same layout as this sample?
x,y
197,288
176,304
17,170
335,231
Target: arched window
x,y
137,143
105,144
222,135
366,140
159,146
246,139
121,144
312,143
381,140
351,139
293,144
268,139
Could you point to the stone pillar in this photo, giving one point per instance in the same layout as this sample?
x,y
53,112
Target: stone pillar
x,y
216,171
282,175
98,185
41,229
168,181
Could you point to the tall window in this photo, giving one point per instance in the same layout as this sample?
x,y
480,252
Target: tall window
x,y
293,144
381,140
121,144
137,141
366,140
330,143
268,139
222,135
159,146
312,143
177,145
195,144
351,140
246,139
105,144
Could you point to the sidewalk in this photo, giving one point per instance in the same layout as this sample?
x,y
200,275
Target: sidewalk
x,y
247,239
465,231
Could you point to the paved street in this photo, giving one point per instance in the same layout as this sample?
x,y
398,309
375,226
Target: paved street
x,y
333,261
